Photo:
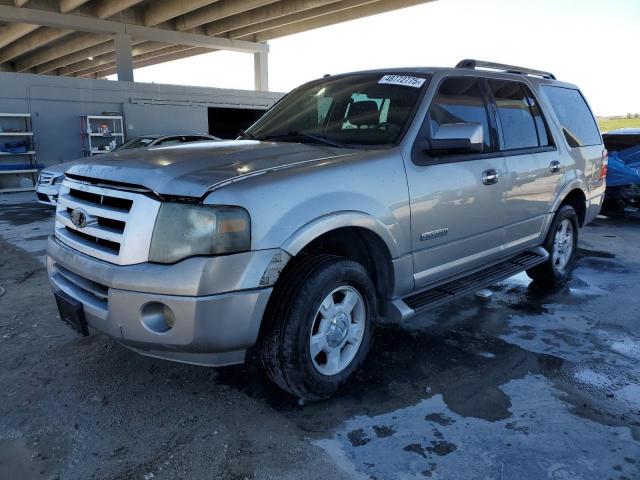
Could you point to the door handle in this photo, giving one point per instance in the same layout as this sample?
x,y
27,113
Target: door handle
x,y
490,177
554,166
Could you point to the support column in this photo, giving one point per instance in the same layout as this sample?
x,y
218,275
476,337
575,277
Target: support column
x,y
124,57
261,71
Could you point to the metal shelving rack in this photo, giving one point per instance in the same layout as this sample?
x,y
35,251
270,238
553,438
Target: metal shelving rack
x,y
95,142
13,127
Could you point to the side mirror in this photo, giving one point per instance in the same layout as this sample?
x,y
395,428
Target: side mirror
x,y
457,138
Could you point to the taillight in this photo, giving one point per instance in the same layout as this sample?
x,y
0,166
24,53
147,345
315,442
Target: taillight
x,y
605,164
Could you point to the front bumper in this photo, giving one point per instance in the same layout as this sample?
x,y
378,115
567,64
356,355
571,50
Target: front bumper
x,y
47,194
213,328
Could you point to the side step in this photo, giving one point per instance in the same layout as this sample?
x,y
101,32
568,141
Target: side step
x,y
436,296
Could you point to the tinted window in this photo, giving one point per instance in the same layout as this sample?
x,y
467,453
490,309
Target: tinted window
x,y
168,141
361,110
516,119
541,125
196,138
578,123
460,100
138,142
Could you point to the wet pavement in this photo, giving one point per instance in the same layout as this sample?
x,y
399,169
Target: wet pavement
x,y
529,383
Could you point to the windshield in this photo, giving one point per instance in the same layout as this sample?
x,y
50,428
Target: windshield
x,y
138,142
356,110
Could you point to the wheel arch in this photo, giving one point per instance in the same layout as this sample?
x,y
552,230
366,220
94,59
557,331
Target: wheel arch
x,y
354,235
578,200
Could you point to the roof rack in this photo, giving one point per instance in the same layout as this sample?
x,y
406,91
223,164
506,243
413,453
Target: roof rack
x,y
473,64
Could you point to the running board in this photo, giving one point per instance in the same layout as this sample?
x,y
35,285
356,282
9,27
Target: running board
x,y
477,280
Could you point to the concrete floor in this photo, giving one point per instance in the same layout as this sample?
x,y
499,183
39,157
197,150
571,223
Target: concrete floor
x,y
527,384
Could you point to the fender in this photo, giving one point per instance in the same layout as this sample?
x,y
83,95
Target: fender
x,y
348,218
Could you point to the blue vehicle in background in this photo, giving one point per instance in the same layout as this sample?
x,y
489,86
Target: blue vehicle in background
x,y
622,196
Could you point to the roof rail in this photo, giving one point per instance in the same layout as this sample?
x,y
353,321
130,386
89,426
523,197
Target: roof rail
x,y
473,64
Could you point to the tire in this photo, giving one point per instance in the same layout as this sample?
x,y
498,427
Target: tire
x,y
562,244
294,316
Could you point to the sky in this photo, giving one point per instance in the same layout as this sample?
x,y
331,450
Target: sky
x,y
594,44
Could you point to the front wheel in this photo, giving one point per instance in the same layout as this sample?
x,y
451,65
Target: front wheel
x,y
319,326
562,244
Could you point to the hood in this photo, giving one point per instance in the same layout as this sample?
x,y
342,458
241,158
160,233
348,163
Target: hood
x,y
193,169
59,169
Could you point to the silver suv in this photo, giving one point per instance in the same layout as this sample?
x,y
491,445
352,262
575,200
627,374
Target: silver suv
x,y
357,197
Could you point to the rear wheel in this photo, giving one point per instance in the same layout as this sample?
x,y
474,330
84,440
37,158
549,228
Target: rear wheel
x,y
561,243
319,326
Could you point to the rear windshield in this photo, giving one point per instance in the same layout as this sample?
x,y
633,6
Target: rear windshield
x,y
578,124
355,110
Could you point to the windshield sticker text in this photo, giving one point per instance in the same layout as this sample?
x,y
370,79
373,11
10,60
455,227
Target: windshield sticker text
x,y
407,81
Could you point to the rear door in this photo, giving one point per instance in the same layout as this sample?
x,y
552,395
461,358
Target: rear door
x,y
534,167
457,209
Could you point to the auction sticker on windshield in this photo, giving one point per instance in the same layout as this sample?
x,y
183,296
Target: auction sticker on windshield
x,y
407,81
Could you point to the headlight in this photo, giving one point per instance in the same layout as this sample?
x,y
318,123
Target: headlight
x,y
57,180
183,230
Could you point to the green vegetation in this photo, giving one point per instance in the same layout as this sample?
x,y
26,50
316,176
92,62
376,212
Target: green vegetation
x,y
611,123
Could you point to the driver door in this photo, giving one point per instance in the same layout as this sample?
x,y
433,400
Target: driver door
x,y
457,201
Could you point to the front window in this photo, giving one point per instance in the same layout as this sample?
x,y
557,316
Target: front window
x,y
460,100
352,111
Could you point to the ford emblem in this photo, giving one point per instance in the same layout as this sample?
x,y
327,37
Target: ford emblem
x,y
79,217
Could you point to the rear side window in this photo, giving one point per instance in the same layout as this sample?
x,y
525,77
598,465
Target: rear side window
x,y
521,122
541,125
578,124
460,100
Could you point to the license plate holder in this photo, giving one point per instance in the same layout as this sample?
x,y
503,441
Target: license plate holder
x,y
72,312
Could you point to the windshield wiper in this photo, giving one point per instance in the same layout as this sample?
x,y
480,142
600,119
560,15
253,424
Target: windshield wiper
x,y
247,135
315,138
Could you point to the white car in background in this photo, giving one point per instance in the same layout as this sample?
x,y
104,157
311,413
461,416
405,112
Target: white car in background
x,y
50,178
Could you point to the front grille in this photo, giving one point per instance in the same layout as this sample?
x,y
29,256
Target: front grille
x,y
122,204
107,223
106,245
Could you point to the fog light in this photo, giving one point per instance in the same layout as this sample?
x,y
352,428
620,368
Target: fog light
x,y
157,317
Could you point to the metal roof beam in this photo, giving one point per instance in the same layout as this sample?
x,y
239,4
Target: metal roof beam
x,y
42,56
98,63
13,32
31,42
380,6
189,52
158,12
79,56
269,12
248,31
67,6
109,8
217,11
142,52
43,36
107,27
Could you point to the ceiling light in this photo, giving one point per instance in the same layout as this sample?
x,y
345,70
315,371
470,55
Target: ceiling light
x,y
90,58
